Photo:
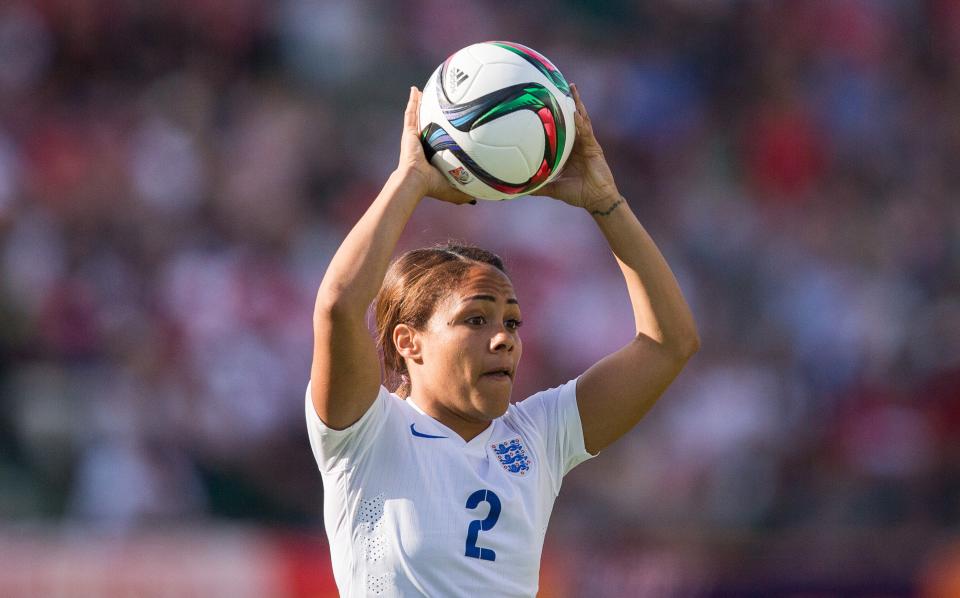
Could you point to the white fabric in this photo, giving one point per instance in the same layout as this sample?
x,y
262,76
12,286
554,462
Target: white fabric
x,y
395,505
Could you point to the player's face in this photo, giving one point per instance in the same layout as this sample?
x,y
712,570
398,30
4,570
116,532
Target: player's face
x,y
471,346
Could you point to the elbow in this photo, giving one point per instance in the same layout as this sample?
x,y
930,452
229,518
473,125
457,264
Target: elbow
x,y
690,345
685,346
333,305
676,349
326,306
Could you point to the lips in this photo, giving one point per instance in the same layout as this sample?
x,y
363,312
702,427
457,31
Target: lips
x,y
499,374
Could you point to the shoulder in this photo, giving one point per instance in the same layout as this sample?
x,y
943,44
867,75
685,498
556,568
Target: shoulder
x,y
381,423
550,422
543,403
385,404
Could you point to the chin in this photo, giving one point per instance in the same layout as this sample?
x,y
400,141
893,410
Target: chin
x,y
494,414
491,399
498,405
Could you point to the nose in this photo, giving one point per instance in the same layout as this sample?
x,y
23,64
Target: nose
x,y
502,341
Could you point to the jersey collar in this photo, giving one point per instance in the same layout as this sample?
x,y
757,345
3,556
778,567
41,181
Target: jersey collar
x,y
477,445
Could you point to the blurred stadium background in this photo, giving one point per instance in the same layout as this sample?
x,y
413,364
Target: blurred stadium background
x,y
174,177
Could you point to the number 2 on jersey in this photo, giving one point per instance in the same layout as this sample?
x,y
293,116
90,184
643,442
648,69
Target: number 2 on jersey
x,y
478,525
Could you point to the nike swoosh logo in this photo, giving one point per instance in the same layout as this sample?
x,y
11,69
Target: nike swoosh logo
x,y
421,434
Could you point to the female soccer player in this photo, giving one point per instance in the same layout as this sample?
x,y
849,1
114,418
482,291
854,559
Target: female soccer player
x,y
444,488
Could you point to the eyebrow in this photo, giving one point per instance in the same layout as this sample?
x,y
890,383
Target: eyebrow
x,y
488,298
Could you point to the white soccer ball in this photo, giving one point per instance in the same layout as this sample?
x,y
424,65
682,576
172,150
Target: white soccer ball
x,y
497,119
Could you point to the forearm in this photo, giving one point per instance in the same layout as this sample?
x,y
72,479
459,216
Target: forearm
x,y
360,264
659,309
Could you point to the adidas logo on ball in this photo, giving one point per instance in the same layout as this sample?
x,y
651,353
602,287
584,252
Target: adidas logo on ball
x,y
456,77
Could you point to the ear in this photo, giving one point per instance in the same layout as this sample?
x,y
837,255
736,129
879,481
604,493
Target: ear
x,y
408,343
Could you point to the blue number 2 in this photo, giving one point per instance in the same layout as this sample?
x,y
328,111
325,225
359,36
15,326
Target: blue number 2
x,y
478,525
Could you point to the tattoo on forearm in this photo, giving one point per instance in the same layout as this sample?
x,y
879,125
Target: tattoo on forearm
x,y
609,210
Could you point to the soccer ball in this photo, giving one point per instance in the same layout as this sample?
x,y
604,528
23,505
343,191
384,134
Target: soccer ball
x,y
497,119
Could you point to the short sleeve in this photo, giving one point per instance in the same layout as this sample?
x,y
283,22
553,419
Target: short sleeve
x,y
340,449
555,417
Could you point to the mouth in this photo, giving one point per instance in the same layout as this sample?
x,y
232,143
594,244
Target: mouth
x,y
503,374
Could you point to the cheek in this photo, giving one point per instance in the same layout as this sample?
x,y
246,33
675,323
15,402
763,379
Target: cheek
x,y
444,352
462,352
459,354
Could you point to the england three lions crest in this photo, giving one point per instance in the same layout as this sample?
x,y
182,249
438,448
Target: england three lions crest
x,y
512,456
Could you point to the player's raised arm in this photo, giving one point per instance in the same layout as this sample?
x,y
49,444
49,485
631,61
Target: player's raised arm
x,y
345,373
617,391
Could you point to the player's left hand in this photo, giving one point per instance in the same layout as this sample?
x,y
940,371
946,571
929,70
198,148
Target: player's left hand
x,y
586,181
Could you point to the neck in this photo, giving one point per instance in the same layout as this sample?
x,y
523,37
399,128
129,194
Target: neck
x,y
466,427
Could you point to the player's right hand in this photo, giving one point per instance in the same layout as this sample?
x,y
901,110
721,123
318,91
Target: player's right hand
x,y
413,164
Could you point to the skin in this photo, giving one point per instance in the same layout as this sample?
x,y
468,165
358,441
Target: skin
x,y
446,358
474,330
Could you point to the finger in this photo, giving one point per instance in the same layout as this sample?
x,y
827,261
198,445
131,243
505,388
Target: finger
x,y
581,108
582,122
410,115
419,101
585,138
578,101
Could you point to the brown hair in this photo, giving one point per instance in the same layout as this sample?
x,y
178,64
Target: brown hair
x,y
414,283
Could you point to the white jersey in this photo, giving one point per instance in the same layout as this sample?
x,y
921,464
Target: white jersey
x,y
411,509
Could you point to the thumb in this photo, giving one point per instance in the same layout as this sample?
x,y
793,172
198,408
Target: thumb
x,y
548,189
554,187
446,192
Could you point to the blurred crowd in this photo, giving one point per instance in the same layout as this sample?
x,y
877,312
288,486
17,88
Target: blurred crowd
x,y
175,176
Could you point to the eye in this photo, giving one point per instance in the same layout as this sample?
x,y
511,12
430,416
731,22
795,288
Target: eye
x,y
476,320
513,324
